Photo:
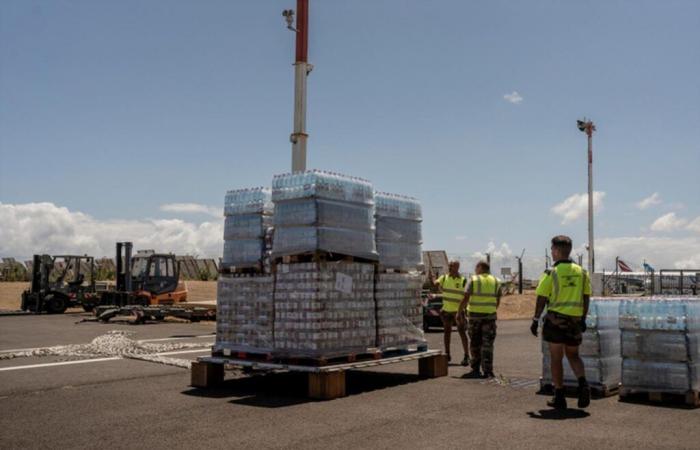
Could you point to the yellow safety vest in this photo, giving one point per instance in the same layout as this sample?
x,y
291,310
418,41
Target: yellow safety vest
x,y
483,298
564,286
452,291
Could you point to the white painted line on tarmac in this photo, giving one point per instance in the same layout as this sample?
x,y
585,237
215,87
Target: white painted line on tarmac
x,y
62,363
203,336
178,352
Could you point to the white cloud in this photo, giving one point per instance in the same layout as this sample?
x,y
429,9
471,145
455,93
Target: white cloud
x,y
576,206
694,225
513,97
668,222
31,228
192,208
653,199
659,252
498,253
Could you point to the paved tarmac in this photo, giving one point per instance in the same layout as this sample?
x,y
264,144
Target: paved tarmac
x,y
124,403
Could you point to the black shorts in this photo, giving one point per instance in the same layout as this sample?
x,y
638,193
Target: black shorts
x,y
561,329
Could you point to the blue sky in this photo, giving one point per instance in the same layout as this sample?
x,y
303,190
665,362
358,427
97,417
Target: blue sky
x,y
110,110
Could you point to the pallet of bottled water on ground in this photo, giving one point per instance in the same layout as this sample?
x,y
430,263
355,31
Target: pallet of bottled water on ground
x,y
307,288
661,350
599,350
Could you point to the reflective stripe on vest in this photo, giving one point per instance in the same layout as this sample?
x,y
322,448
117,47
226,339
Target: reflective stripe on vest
x,y
452,292
567,295
484,295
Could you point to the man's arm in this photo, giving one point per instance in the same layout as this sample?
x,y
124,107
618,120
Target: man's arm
x,y
586,304
465,301
437,282
541,302
539,308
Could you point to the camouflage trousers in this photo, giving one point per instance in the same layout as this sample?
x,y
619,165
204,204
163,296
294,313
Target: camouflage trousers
x,y
482,334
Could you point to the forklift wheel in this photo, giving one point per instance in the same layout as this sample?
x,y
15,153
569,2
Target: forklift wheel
x,y
55,305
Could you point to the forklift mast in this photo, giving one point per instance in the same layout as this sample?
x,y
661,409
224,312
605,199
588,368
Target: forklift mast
x,y
41,269
123,274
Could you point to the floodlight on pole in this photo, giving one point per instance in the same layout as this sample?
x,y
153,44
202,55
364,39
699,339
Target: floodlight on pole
x,y
587,126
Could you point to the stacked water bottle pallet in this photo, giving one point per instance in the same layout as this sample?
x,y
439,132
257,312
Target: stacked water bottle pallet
x,y
323,214
600,351
398,231
244,315
324,310
661,349
399,311
247,231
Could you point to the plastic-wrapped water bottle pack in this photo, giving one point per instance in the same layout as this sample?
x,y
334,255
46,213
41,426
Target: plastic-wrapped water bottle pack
x,y
322,211
244,314
399,309
398,255
322,184
397,206
324,309
247,227
391,229
256,200
600,348
398,231
296,240
660,343
243,252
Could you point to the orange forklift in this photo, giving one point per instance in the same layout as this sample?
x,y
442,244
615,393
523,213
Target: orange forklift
x,y
148,287
145,279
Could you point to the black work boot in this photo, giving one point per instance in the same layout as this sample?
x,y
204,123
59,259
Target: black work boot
x,y
584,393
475,373
559,400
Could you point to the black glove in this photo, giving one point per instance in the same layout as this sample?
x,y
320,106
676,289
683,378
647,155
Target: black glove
x,y
534,326
584,327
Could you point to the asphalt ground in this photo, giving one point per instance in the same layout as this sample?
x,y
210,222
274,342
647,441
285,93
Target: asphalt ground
x,y
122,403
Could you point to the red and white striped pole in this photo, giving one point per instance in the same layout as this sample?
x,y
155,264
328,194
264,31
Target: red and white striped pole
x,y
302,68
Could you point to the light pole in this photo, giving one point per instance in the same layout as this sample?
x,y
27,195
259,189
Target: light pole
x,y
520,272
588,127
302,68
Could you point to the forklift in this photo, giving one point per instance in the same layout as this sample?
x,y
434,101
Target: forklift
x,y
59,282
148,288
146,279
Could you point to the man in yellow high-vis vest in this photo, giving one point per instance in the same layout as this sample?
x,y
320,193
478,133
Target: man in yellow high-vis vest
x,y
481,301
566,291
452,287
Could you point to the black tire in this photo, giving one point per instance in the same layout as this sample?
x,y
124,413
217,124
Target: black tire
x,y
55,304
88,307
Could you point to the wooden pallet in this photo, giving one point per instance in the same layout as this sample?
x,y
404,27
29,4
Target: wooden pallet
x,y
597,390
690,399
381,269
242,271
320,256
324,383
328,359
